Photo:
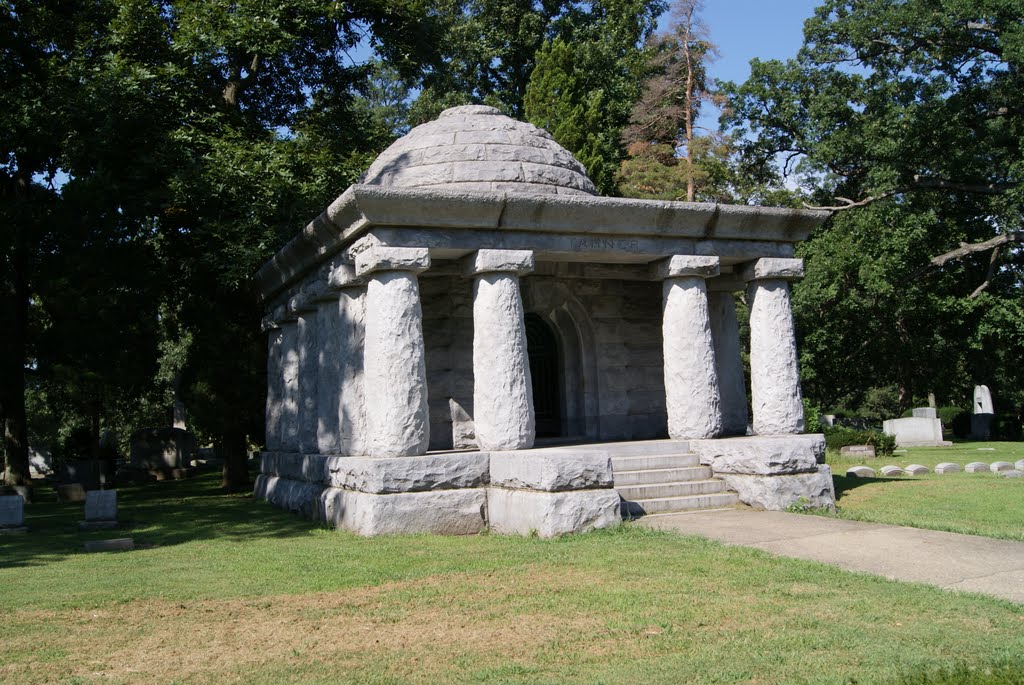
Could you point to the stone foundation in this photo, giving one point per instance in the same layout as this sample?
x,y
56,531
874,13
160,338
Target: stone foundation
x,y
772,472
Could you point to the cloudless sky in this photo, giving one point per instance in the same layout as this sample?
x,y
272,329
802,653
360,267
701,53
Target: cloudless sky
x,y
745,29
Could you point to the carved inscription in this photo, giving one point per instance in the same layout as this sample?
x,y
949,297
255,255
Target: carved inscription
x,y
605,244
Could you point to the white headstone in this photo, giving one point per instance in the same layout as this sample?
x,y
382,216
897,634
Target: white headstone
x,y
982,400
947,467
977,467
925,413
861,472
891,470
917,470
1001,466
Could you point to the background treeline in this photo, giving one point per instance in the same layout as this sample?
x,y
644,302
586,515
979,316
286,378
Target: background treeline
x,y
155,153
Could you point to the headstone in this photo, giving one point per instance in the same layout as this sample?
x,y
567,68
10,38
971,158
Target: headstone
x,y
861,472
463,428
925,413
23,491
115,545
162,448
891,470
986,449
977,467
827,420
12,514
947,467
100,510
981,420
1019,466
917,470
71,492
1001,466
916,431
1012,474
982,400
864,451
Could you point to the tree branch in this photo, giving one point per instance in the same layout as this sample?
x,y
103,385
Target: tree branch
x,y
923,183
850,204
992,261
967,249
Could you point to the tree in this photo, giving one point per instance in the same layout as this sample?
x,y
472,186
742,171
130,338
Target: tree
x,y
905,118
585,81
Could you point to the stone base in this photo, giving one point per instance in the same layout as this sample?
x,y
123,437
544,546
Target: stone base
x,y
548,514
441,512
97,525
778,493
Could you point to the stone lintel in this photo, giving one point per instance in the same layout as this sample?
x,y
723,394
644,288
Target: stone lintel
x,y
519,262
768,268
551,471
681,266
379,258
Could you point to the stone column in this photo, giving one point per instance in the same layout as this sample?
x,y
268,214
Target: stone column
x,y
502,391
732,385
340,387
289,420
272,325
308,350
691,381
774,376
395,373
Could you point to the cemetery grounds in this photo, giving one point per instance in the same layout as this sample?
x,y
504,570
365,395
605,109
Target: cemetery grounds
x,y
223,589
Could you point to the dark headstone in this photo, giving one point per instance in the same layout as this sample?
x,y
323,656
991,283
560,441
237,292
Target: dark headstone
x,y
162,448
115,545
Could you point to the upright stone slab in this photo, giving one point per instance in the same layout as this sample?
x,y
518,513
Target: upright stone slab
x,y
12,514
100,510
925,413
692,397
502,393
732,385
774,376
395,371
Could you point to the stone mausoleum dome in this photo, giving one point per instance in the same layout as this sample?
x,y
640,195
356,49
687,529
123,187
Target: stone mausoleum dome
x,y
478,148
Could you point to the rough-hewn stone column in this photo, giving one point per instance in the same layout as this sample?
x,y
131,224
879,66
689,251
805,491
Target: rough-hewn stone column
x,y
502,392
340,427
272,325
395,373
307,347
774,377
691,381
732,386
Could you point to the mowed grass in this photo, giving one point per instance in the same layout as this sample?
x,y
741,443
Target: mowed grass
x,y
971,503
228,590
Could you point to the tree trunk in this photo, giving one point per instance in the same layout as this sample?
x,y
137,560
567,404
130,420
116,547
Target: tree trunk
x,y
12,380
235,476
689,99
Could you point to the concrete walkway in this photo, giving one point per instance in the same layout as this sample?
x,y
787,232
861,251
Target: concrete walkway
x,y
948,560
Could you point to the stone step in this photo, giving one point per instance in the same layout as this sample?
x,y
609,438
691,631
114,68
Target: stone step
x,y
671,489
650,476
654,461
641,448
662,505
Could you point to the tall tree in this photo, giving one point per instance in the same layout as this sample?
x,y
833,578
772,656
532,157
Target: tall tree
x,y
908,120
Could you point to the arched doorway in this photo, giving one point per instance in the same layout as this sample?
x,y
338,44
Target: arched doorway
x,y
545,373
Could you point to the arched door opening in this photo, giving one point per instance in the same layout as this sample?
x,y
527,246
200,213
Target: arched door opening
x,y
545,373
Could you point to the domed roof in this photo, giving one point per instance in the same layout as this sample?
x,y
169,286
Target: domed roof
x,y
479,148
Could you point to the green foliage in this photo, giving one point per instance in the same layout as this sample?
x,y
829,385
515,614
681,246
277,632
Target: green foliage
x,y
912,110
948,414
837,437
812,417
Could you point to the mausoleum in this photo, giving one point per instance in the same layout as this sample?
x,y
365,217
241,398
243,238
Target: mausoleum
x,y
471,337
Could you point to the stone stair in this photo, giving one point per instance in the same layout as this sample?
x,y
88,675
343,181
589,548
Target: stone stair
x,y
661,478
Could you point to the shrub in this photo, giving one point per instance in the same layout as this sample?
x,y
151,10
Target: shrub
x,y
962,425
837,437
948,415
812,417
1006,428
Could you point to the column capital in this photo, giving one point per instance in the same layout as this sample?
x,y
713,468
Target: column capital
x,y
768,268
519,262
380,258
344,276
682,266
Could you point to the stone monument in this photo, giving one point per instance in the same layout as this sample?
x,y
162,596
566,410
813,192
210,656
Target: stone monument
x,y
923,429
981,419
457,339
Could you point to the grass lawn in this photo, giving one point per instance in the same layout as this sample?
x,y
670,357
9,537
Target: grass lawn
x,y
972,503
228,590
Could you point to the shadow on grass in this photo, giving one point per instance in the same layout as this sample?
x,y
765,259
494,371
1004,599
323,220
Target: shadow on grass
x,y
844,484
153,515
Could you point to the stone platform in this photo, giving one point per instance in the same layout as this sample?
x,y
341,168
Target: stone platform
x,y
546,491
